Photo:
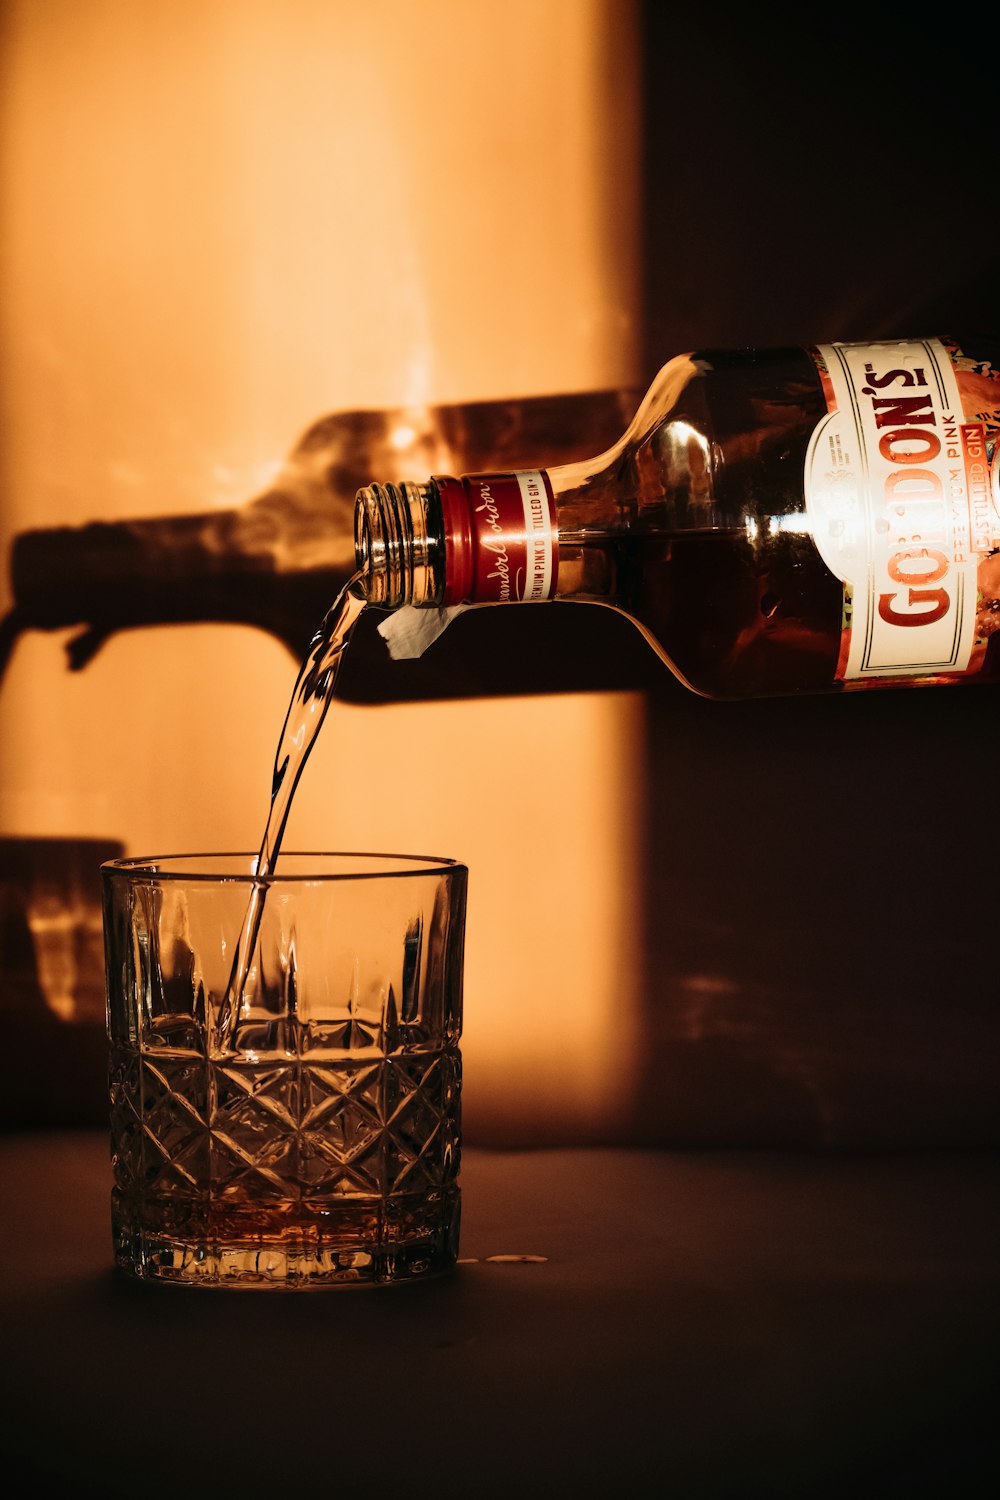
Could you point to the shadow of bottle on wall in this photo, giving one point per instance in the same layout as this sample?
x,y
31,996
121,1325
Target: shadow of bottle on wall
x,y
277,562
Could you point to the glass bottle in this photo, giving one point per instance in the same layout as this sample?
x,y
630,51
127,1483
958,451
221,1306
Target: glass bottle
x,y
774,521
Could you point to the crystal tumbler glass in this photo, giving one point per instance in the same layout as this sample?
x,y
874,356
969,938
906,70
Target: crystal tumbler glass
x,y
284,1067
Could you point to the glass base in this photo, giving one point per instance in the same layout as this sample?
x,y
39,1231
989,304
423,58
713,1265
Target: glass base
x,y
287,1247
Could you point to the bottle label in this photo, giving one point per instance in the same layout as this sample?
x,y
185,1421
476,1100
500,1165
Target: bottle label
x,y
500,538
902,491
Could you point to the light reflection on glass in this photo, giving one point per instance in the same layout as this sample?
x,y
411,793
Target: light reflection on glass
x,y
799,525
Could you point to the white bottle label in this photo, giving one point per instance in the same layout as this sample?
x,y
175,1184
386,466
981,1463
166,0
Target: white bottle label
x,y
902,507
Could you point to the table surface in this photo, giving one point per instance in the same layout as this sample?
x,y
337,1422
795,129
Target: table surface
x,y
695,1324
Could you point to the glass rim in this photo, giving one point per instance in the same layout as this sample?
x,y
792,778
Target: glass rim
x,y
210,867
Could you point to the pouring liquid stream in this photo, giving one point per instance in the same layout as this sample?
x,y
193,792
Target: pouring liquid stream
x,y
311,697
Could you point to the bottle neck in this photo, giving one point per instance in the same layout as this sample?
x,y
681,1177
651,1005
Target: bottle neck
x,y
479,539
399,544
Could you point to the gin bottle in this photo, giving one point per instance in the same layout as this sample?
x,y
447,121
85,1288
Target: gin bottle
x,y
774,521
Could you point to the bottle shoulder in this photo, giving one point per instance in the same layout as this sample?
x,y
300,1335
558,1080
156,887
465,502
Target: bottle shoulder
x,y
712,431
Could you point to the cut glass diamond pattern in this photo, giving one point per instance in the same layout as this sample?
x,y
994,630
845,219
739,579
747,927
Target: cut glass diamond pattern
x,y
252,1131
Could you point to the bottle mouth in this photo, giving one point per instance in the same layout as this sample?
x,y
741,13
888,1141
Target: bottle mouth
x,y
391,544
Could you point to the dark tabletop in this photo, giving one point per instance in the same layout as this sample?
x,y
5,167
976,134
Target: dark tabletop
x,y
688,1324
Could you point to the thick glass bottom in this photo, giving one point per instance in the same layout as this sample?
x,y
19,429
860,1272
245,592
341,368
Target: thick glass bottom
x,y
288,1245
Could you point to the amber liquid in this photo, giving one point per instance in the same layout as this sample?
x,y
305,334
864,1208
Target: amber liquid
x,y
272,1206
731,623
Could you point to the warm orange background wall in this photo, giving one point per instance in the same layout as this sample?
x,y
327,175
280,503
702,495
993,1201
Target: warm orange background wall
x,y
224,219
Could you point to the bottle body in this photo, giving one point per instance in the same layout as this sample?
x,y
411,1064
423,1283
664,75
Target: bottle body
x,y
774,521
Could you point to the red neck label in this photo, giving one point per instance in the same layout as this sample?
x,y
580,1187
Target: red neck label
x,y
501,544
